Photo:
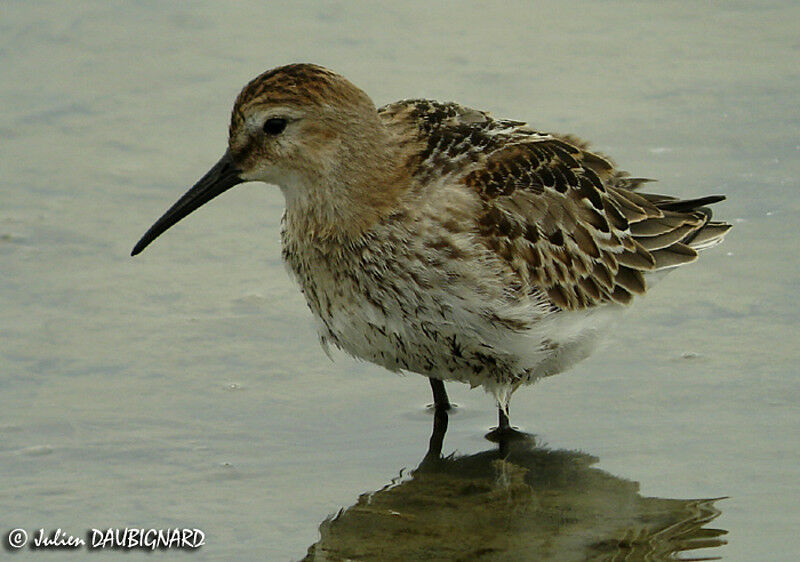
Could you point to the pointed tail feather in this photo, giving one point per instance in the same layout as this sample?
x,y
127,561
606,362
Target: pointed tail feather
x,y
684,228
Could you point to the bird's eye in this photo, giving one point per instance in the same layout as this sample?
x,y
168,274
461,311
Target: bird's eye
x,y
274,126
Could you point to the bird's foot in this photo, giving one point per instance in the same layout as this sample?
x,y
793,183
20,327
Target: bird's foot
x,y
504,433
507,434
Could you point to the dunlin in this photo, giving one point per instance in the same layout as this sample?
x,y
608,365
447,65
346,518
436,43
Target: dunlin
x,y
434,238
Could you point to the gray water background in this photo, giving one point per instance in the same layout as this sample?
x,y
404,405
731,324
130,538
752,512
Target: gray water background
x,y
185,387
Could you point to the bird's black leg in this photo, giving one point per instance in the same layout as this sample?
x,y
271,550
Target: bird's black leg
x,y
502,421
434,455
504,433
440,400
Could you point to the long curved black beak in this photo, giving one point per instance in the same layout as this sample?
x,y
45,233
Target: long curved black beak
x,y
219,179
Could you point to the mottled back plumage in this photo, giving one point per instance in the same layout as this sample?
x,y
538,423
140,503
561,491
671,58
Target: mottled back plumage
x,y
562,217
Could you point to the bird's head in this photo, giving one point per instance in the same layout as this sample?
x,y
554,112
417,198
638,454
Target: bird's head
x,y
303,128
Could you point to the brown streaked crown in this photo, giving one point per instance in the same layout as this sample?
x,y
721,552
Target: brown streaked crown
x,y
298,84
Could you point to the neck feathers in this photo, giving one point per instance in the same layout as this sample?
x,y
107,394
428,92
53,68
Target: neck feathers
x,y
360,185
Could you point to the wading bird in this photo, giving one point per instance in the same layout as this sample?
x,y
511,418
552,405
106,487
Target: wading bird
x,y
434,238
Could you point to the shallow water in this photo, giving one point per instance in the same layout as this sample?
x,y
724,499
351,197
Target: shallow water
x,y
185,388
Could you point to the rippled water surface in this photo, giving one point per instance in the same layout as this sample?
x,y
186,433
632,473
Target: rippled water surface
x,y
186,388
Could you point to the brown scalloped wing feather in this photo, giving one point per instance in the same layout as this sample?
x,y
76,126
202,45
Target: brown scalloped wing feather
x,y
572,228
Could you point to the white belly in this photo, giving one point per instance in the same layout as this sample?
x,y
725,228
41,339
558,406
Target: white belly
x,y
447,324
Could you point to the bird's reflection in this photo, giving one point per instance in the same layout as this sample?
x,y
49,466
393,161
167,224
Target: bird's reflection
x,y
516,502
